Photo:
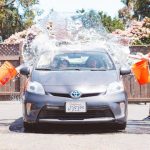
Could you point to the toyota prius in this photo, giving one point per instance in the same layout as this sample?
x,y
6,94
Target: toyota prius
x,y
75,87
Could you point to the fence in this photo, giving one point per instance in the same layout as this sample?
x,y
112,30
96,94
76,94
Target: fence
x,y
135,92
12,53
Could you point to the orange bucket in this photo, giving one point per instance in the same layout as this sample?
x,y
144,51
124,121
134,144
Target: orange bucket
x,y
7,72
141,71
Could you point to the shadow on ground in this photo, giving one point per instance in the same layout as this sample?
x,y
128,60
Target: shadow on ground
x,y
138,126
133,127
46,128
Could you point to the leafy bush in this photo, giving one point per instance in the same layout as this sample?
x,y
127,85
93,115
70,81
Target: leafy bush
x,y
138,32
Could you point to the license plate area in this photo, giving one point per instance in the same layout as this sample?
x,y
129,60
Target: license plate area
x,y
75,107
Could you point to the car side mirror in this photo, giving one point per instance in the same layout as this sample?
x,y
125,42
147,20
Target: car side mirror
x,y
125,71
25,71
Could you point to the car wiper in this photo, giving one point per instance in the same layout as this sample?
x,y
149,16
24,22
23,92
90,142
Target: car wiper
x,y
70,69
98,69
45,69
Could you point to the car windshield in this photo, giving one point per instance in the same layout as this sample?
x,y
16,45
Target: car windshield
x,y
80,60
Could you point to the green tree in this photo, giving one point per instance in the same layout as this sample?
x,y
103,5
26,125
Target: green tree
x,y
111,24
90,19
127,12
142,9
93,19
135,9
11,20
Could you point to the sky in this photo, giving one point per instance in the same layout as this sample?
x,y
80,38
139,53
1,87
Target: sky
x,y
110,7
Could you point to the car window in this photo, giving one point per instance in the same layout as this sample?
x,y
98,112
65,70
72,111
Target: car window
x,y
76,60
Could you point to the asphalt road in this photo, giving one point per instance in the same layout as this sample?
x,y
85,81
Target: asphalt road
x,y
77,137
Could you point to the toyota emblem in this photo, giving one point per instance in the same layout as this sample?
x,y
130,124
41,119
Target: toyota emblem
x,y
75,94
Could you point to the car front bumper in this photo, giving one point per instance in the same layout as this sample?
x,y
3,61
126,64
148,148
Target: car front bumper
x,y
45,108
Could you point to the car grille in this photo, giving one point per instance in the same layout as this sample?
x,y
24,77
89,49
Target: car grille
x,y
68,95
62,115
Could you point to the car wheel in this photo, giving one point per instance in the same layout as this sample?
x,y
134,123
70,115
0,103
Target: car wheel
x,y
29,126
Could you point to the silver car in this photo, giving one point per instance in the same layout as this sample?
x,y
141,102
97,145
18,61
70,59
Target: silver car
x,y
75,87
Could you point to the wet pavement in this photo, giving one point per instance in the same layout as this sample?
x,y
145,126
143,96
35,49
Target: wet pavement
x,y
11,125
133,127
11,120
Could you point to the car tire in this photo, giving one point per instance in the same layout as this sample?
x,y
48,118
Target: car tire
x,y
29,126
121,126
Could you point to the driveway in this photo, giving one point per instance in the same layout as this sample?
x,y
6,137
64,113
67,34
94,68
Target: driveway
x,y
13,137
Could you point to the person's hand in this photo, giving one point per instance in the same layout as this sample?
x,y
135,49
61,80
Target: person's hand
x,y
146,57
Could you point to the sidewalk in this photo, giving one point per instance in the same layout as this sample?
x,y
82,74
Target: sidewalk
x,y
138,111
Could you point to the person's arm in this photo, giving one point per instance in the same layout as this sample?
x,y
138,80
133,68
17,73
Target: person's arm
x,y
141,56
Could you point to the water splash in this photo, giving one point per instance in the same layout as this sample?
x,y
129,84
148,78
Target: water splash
x,y
57,30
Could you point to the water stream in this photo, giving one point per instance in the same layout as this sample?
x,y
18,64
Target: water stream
x,y
57,30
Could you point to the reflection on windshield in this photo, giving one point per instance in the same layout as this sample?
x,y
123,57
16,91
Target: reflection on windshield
x,y
76,61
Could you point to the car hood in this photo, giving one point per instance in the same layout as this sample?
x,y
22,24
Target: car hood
x,y
74,79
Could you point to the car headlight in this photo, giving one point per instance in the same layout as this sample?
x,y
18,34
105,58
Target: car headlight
x,y
115,87
35,87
